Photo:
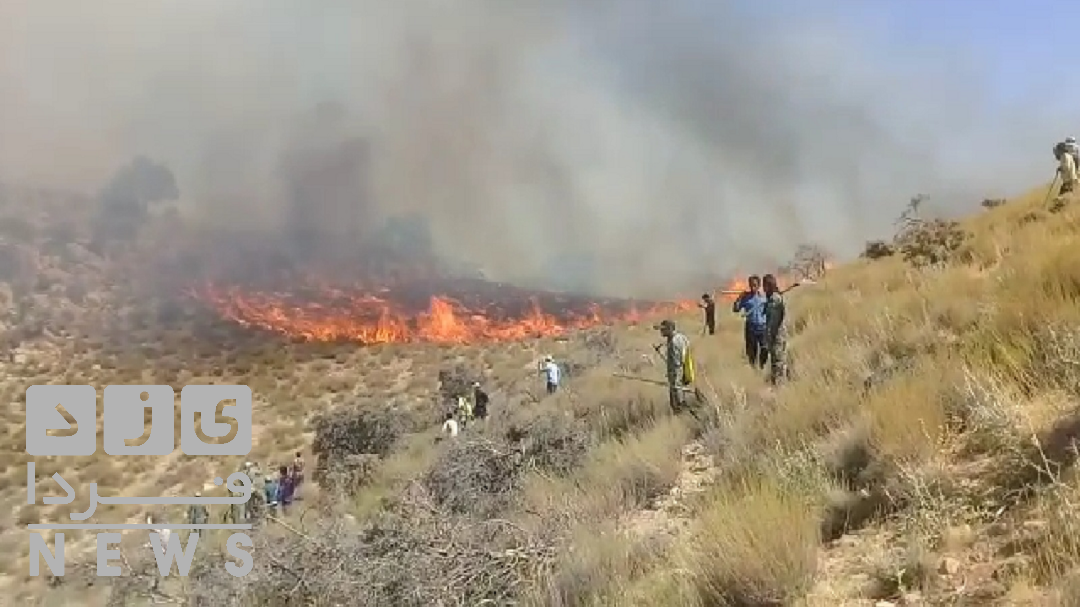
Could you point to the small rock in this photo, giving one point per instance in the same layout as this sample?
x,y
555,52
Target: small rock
x,y
693,450
987,591
847,541
1012,568
948,566
884,604
1034,526
959,537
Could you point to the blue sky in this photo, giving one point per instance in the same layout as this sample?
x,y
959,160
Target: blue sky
x,y
1016,43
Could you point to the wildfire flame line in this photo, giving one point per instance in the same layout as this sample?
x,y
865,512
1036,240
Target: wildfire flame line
x,y
371,319
320,311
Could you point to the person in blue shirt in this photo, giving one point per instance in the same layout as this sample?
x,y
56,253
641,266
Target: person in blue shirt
x,y
751,304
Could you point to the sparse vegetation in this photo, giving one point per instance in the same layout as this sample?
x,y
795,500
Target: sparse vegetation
x,y
876,249
927,242
808,263
923,455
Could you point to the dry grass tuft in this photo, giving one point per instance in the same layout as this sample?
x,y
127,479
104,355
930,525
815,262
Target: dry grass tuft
x,y
923,454
754,544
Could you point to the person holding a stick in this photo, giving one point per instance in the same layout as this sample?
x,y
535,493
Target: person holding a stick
x,y
775,329
708,306
550,370
751,304
679,364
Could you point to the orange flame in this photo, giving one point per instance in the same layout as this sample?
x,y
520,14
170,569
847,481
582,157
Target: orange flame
x,y
371,319
739,284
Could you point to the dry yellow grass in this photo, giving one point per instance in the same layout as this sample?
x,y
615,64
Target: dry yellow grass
x,y
947,478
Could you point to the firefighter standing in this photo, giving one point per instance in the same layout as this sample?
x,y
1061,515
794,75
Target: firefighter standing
x,y
775,330
679,365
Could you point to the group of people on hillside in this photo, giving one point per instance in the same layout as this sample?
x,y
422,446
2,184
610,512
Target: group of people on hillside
x,y
765,337
271,493
468,408
764,331
473,406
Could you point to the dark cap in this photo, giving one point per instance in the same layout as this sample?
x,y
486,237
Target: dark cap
x,y
665,324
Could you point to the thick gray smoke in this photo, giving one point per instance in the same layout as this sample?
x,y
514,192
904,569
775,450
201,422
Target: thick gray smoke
x,y
629,146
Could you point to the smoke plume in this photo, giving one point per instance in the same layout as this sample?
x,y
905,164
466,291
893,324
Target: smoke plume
x,y
625,146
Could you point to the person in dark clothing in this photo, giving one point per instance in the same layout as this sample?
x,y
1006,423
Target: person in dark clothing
x,y
480,402
285,488
708,304
751,304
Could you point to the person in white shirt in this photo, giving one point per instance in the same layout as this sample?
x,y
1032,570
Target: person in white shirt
x,y
450,426
551,373
162,533
1067,169
1072,148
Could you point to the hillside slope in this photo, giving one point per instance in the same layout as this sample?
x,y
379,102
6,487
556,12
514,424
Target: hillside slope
x,y
922,454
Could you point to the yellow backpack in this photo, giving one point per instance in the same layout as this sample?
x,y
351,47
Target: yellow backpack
x,y
688,368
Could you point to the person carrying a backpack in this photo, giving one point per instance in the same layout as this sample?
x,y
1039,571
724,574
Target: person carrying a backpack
x,y
1073,148
679,364
1066,168
464,411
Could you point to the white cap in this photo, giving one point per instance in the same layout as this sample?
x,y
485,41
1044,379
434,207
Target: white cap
x,y
1070,140
198,494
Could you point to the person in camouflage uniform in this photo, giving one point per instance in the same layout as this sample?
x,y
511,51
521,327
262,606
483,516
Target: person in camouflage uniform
x,y
452,388
197,513
238,513
775,329
676,346
256,505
